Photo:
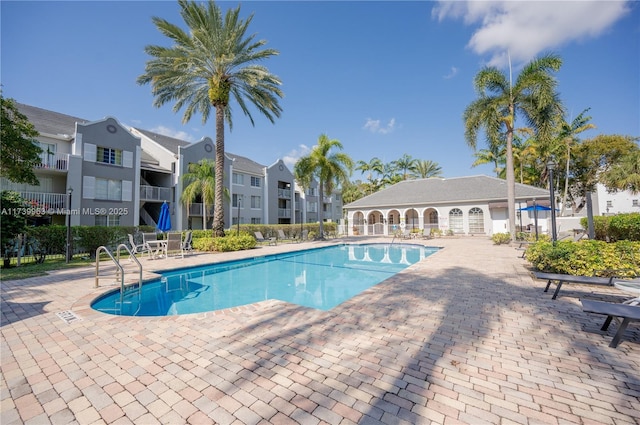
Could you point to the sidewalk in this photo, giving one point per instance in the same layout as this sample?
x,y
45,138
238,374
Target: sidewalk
x,y
465,336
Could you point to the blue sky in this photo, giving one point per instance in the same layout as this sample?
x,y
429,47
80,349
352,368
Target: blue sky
x,y
384,78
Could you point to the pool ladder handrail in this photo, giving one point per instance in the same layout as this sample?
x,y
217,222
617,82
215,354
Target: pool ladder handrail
x,y
120,269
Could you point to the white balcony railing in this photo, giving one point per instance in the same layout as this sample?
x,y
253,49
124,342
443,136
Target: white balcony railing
x,y
284,193
54,161
45,201
284,213
155,193
196,210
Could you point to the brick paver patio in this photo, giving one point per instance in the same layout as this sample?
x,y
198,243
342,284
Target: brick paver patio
x,y
465,336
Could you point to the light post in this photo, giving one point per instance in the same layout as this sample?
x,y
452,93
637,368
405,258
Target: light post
x,y
69,252
551,166
239,200
535,217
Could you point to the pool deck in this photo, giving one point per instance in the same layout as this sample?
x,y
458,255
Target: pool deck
x,y
464,336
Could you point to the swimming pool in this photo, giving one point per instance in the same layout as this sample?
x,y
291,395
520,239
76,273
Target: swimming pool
x,y
318,278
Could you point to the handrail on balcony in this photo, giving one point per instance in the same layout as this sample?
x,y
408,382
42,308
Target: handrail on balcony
x,y
155,193
284,193
54,161
45,200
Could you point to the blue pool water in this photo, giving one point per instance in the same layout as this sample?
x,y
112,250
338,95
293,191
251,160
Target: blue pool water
x,y
317,278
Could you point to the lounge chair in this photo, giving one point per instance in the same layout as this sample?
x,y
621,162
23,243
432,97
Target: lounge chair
x,y
137,248
260,238
559,279
407,234
281,235
628,313
174,244
186,244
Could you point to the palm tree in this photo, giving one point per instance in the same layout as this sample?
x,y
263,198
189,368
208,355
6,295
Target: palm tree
x,y
375,165
568,133
424,169
405,164
208,66
533,96
325,166
625,175
199,180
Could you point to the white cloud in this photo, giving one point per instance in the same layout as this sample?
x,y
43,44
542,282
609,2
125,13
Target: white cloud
x,y
293,156
176,134
525,29
374,126
452,73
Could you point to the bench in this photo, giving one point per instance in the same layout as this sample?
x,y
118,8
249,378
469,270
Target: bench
x,y
559,279
628,313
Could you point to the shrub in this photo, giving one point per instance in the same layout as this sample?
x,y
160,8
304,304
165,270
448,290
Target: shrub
x,y
615,228
586,258
50,239
501,238
624,227
92,237
230,242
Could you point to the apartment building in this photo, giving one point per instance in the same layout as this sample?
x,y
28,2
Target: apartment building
x,y
105,173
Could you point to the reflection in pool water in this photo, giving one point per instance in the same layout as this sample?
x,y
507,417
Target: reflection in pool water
x,y
317,278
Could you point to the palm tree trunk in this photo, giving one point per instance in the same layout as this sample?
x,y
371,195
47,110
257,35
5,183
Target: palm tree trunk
x,y
218,207
511,186
321,210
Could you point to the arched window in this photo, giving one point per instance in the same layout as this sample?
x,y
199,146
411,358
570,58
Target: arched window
x,y
476,220
455,220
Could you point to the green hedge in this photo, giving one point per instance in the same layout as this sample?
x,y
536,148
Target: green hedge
x,y
230,242
586,258
615,228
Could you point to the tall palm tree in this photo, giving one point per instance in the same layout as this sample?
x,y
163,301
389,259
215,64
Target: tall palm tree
x,y
207,67
533,96
199,181
375,165
568,133
424,169
327,167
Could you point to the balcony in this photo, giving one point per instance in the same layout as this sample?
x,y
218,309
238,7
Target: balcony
x,y
284,213
284,193
45,201
53,161
195,210
155,193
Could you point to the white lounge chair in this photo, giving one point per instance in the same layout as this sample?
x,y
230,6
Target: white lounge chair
x,y
137,248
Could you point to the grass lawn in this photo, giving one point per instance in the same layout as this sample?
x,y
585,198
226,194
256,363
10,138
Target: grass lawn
x,y
34,269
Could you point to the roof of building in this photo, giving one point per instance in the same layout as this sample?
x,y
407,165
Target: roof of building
x,y
245,164
169,143
50,122
446,191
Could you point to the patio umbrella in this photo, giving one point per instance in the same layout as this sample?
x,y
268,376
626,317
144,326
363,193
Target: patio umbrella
x,y
164,221
536,208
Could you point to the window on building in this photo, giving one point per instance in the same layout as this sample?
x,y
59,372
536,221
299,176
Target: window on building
x,y
311,191
47,154
256,202
255,220
109,156
234,200
455,220
108,189
255,181
476,220
238,178
107,220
